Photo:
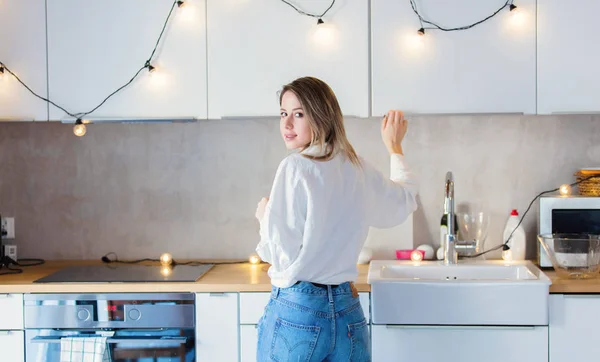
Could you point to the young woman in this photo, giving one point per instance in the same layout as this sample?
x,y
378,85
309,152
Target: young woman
x,y
314,224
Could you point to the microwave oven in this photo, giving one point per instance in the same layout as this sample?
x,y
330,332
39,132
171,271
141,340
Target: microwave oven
x,y
567,214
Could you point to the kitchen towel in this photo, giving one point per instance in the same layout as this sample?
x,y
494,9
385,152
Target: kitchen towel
x,y
84,349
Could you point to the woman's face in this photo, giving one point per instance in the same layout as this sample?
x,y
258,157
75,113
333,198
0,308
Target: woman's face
x,y
294,126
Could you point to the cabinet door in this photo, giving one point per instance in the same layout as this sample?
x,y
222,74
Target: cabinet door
x,y
568,57
255,47
248,342
574,321
23,51
251,309
465,344
217,326
489,68
11,311
96,47
12,345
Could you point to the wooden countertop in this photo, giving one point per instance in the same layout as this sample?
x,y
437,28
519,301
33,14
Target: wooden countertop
x,y
572,286
242,277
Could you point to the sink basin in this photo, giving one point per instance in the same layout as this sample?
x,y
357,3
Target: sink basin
x,y
437,272
491,292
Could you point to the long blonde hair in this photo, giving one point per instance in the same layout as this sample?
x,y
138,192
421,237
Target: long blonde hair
x,y
325,117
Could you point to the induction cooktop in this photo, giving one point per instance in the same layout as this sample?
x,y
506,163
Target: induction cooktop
x,y
113,273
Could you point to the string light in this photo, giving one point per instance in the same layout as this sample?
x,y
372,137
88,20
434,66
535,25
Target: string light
x,y
166,259
150,67
147,65
254,259
431,25
516,14
1,71
416,255
565,190
325,35
79,129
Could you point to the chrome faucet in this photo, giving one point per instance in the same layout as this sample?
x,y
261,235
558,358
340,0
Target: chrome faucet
x,y
451,243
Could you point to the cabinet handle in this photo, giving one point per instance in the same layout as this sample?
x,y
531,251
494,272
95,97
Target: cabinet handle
x,y
243,118
5,296
5,333
395,326
582,296
414,114
573,113
216,294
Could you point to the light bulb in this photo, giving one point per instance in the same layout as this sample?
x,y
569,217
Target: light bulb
x,y
166,259
421,32
416,255
187,11
516,15
166,270
1,72
254,259
325,34
79,129
565,190
507,255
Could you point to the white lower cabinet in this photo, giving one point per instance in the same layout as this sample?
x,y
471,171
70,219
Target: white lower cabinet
x,y
252,306
248,342
12,337
392,343
217,327
12,346
574,321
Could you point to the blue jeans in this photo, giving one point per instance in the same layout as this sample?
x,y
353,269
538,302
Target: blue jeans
x,y
309,323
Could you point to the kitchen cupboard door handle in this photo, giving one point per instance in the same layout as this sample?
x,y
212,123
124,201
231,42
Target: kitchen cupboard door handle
x,y
394,326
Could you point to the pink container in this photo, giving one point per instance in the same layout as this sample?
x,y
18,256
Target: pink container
x,y
405,254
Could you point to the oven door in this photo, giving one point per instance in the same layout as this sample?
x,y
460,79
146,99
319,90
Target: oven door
x,y
165,345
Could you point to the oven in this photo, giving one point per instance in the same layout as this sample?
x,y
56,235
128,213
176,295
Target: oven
x,y
567,214
137,327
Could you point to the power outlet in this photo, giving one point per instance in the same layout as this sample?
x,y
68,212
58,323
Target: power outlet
x,y
8,225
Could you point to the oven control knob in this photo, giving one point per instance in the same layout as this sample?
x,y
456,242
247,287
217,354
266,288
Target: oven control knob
x,y
83,314
134,314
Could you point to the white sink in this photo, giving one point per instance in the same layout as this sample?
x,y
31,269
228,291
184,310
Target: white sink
x,y
436,271
473,293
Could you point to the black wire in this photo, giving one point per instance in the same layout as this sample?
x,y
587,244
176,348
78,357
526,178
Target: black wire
x,y
6,262
504,246
34,93
29,262
106,259
11,271
309,14
465,27
83,114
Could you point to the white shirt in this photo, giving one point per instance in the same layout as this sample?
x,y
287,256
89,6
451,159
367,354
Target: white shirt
x,y
319,213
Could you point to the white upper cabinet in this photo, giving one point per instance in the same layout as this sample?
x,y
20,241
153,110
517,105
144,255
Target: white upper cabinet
x,y
568,57
23,51
95,47
489,68
255,47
